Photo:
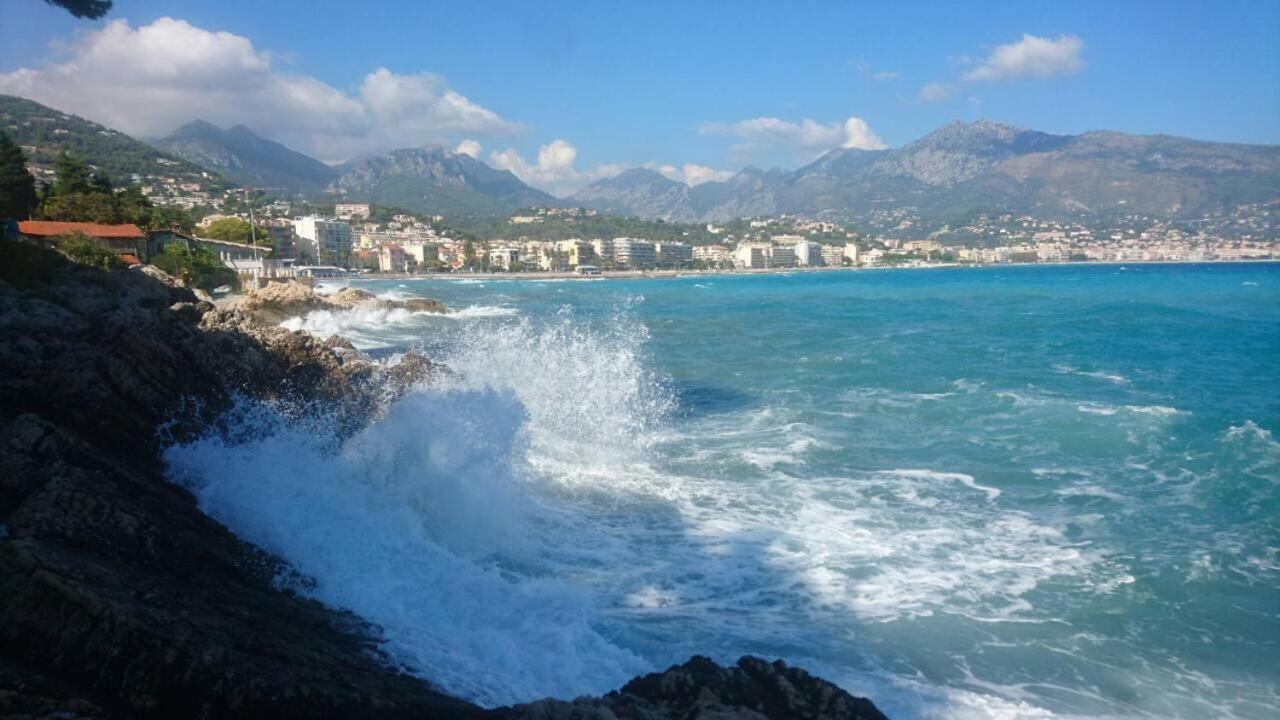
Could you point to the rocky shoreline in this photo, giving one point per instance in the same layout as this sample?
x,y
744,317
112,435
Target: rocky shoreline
x,y
120,599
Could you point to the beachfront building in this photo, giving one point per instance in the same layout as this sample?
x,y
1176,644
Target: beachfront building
x,y
782,256
322,239
832,255
504,258
391,258
851,253
714,255
634,253
283,240
674,254
576,252
808,253
752,255
603,249
421,253
349,211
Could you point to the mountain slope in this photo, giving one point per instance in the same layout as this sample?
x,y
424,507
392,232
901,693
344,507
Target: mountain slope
x,y
966,168
436,180
247,158
643,193
44,132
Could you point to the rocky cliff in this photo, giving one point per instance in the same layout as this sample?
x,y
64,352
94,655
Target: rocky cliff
x,y
120,599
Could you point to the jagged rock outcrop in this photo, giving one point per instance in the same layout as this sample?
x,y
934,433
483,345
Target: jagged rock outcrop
x,y
119,598
276,302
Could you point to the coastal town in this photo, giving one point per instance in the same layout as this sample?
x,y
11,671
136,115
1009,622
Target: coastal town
x,y
350,238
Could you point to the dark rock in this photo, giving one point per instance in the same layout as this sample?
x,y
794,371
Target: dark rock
x,y
702,690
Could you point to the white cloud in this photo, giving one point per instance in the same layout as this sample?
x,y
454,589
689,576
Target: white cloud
x,y
469,147
147,80
806,138
691,174
554,170
1031,56
936,92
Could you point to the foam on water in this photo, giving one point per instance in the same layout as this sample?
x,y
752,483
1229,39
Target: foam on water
x,y
560,515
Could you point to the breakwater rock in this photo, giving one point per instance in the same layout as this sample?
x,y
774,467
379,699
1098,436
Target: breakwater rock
x,y
120,599
276,302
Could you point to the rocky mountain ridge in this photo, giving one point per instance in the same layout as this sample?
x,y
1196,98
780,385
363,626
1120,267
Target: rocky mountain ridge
x,y
981,167
240,154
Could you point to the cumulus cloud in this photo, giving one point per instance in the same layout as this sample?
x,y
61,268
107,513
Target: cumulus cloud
x,y
806,138
147,80
691,174
1031,56
554,169
468,147
936,92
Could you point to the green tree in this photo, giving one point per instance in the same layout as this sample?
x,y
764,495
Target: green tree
x,y
89,9
73,174
197,267
81,207
86,250
232,229
17,186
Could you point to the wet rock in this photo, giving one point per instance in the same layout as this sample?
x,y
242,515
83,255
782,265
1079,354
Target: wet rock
x,y
702,690
277,302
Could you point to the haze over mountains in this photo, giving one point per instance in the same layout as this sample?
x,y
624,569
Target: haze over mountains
x,y
963,168
944,177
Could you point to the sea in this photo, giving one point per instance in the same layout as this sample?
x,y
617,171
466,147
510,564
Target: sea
x,y
996,492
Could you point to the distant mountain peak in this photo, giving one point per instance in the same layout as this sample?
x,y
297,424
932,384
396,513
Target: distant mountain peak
x,y
246,157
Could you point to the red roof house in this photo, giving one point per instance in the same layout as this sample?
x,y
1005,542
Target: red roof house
x,y
123,239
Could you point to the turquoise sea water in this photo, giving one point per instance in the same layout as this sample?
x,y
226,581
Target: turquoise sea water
x,y
998,492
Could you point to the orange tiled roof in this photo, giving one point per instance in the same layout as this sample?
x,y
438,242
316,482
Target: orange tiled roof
x,y
51,228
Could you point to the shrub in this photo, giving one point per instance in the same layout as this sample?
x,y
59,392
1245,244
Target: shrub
x,y
85,250
196,267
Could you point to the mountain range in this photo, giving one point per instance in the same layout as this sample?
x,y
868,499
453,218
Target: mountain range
x,y
966,168
248,159
946,177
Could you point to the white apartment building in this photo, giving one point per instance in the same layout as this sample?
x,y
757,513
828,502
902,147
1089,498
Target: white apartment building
x,y
808,253
504,258
423,253
633,252
752,255
347,211
851,253
713,254
674,254
323,240
832,255
603,249
576,252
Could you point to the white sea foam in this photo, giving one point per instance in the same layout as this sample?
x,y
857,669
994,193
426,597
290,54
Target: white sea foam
x,y
1100,375
481,311
366,328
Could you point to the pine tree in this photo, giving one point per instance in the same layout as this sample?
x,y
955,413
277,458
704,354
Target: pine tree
x,y
17,187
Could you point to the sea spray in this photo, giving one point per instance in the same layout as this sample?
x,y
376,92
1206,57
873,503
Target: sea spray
x,y
423,522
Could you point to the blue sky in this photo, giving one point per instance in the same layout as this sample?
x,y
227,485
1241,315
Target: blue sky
x,y
562,93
